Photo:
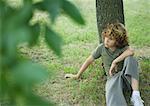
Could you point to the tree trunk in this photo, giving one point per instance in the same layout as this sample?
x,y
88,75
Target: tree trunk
x,y
108,11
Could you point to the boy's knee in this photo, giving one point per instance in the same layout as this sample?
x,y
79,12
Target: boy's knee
x,y
130,60
132,67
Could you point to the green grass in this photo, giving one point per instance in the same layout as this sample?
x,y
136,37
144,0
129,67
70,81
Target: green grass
x,y
79,42
137,21
145,80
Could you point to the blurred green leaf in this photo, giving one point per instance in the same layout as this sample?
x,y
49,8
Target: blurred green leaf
x,y
53,40
18,75
17,18
52,6
1,16
35,30
11,40
3,85
28,73
29,99
9,45
34,100
73,12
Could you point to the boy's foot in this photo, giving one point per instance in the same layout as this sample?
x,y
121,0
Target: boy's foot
x,y
137,101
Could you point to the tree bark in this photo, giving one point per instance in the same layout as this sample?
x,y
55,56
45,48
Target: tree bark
x,y
108,11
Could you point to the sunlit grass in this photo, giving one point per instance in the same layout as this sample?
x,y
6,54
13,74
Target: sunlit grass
x,y
137,21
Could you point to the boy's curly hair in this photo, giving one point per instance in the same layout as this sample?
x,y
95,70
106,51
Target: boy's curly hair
x,y
118,32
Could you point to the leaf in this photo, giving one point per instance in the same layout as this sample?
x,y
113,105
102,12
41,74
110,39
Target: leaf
x,y
73,12
27,73
34,100
3,86
52,6
53,40
14,37
16,26
35,30
17,18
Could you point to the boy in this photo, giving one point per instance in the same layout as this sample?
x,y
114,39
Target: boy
x,y
119,65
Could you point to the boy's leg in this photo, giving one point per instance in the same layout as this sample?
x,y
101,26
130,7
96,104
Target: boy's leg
x,y
114,93
134,84
132,71
136,98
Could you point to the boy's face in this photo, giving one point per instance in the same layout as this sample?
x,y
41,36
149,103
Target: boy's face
x,y
109,42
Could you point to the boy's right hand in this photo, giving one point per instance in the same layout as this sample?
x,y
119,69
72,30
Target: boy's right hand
x,y
72,76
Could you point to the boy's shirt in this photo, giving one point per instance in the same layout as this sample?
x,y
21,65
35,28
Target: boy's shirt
x,y
108,56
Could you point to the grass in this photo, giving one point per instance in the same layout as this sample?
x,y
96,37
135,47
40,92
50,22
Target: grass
x,y
137,17
145,81
79,42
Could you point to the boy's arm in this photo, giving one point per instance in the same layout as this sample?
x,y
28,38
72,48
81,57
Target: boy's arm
x,y
85,65
128,52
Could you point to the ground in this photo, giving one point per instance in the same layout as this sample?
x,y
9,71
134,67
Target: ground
x,y
79,41
68,92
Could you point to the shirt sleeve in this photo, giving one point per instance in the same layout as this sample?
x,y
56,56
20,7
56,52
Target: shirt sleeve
x,y
97,52
123,49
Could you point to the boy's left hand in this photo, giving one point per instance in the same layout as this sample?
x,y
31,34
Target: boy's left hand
x,y
112,68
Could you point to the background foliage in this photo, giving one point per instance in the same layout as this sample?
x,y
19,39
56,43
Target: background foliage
x,y
19,75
